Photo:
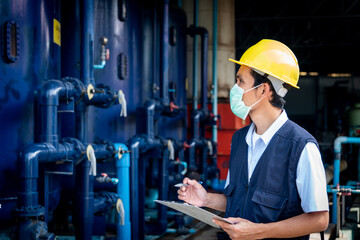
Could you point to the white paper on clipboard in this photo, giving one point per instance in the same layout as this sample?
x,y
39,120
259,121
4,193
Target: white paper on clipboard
x,y
194,211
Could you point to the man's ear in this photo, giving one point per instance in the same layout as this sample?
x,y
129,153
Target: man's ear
x,y
266,89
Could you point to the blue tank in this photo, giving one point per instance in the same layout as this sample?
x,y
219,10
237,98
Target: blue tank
x,y
30,55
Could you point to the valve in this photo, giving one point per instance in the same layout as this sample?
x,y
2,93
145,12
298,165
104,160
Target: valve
x,y
185,145
104,53
121,210
90,153
90,91
122,101
170,146
210,147
120,152
106,179
173,106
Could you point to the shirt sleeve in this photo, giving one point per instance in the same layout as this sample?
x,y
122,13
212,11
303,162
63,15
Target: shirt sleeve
x,y
227,179
311,181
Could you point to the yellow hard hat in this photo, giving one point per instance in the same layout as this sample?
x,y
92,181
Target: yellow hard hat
x,y
273,58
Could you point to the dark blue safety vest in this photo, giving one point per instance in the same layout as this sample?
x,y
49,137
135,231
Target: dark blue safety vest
x,y
271,195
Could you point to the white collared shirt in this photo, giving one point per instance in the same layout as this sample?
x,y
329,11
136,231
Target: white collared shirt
x,y
310,174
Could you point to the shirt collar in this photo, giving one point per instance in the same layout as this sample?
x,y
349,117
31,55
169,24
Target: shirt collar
x,y
270,132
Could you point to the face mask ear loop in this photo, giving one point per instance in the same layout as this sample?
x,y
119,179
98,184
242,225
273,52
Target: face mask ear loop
x,y
256,102
259,99
253,88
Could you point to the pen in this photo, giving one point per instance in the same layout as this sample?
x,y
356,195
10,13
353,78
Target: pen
x,y
184,185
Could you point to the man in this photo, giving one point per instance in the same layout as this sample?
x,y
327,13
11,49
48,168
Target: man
x,y
276,184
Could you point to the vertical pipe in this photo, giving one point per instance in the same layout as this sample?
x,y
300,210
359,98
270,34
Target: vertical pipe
x,y
195,52
337,219
336,182
87,40
48,130
204,67
80,121
84,182
359,166
46,195
163,192
85,201
123,190
196,125
150,119
204,156
165,54
214,65
337,150
134,192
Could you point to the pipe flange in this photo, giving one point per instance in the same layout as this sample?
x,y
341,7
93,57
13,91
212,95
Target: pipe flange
x,y
34,212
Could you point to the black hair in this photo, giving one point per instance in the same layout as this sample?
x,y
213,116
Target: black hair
x,y
276,100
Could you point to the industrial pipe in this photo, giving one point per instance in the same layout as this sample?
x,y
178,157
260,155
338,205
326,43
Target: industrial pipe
x,y
87,41
102,96
49,98
195,61
84,189
165,54
161,224
141,144
104,201
84,202
134,194
337,149
150,107
123,189
193,31
196,117
214,73
50,94
28,196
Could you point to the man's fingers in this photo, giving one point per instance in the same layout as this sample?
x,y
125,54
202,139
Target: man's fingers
x,y
222,224
186,180
217,222
235,220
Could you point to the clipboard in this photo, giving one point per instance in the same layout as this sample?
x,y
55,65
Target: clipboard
x,y
194,211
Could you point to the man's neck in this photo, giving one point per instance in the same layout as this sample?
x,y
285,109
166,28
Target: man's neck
x,y
264,118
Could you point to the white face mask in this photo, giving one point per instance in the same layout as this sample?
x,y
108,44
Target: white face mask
x,y
237,104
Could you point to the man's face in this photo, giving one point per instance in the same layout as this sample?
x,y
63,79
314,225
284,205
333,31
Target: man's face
x,y
246,81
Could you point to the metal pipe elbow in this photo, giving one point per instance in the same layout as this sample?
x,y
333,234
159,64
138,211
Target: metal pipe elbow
x,y
193,30
337,143
52,90
30,156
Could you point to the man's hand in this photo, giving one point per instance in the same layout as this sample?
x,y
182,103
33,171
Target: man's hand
x,y
300,225
194,194
241,229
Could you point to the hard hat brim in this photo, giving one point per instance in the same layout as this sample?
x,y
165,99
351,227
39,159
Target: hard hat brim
x,y
234,61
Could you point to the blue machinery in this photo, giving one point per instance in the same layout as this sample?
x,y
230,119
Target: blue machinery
x,y
336,188
65,163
